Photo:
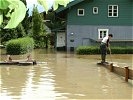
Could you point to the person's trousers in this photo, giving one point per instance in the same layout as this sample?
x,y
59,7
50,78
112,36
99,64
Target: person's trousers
x,y
103,49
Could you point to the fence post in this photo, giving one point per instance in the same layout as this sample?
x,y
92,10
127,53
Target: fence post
x,y
126,74
111,67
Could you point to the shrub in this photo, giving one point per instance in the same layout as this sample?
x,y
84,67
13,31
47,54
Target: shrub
x,y
87,50
96,50
19,46
121,50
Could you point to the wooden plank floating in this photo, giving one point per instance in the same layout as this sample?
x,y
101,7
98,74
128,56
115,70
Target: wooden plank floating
x,y
8,63
125,72
24,63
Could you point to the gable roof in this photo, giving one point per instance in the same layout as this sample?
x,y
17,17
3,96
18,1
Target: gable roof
x,y
75,2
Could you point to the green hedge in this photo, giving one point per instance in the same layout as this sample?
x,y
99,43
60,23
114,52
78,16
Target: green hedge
x,y
83,50
19,46
122,50
87,50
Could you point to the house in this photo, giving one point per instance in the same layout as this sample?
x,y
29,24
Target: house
x,y
88,21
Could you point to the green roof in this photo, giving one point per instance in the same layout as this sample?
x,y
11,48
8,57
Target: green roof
x,y
75,2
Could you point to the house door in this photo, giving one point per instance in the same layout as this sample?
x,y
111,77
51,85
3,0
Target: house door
x,y
61,41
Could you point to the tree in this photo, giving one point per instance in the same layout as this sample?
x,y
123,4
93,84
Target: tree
x,y
26,21
8,34
38,28
54,22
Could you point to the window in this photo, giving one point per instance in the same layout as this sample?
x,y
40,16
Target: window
x,y
113,11
102,33
95,10
71,40
80,12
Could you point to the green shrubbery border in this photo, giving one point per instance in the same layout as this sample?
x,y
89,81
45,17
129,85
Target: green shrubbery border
x,y
20,46
83,50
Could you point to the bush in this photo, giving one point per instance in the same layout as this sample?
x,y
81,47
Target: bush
x,y
88,50
83,50
122,50
19,46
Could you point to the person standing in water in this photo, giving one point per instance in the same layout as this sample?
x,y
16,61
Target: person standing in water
x,y
103,47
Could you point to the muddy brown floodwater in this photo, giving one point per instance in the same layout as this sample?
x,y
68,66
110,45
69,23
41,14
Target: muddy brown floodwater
x,y
64,76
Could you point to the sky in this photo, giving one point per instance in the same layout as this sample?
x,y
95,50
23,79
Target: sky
x,y
30,4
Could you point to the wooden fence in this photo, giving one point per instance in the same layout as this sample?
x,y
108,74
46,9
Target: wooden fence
x,y
122,71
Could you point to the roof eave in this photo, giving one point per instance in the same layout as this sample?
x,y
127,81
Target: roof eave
x,y
68,6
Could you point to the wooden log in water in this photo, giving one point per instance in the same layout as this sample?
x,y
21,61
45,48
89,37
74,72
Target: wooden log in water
x,y
8,63
25,63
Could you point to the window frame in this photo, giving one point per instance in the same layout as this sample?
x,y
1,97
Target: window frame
x,y
112,10
99,34
80,14
94,10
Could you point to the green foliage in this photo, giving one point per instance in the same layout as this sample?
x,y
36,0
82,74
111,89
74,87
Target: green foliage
x,y
8,34
26,21
39,28
19,46
122,50
37,22
87,50
16,12
55,23
83,50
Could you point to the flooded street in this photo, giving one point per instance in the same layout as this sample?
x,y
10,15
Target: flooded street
x,y
64,76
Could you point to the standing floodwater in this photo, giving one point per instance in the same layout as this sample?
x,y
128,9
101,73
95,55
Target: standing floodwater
x,y
64,76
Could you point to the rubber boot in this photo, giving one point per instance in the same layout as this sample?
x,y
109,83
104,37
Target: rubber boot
x,y
103,58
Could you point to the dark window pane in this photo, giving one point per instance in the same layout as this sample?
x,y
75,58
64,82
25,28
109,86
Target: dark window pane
x,y
115,7
115,10
115,14
100,35
104,32
71,40
110,10
110,14
95,10
80,11
110,7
